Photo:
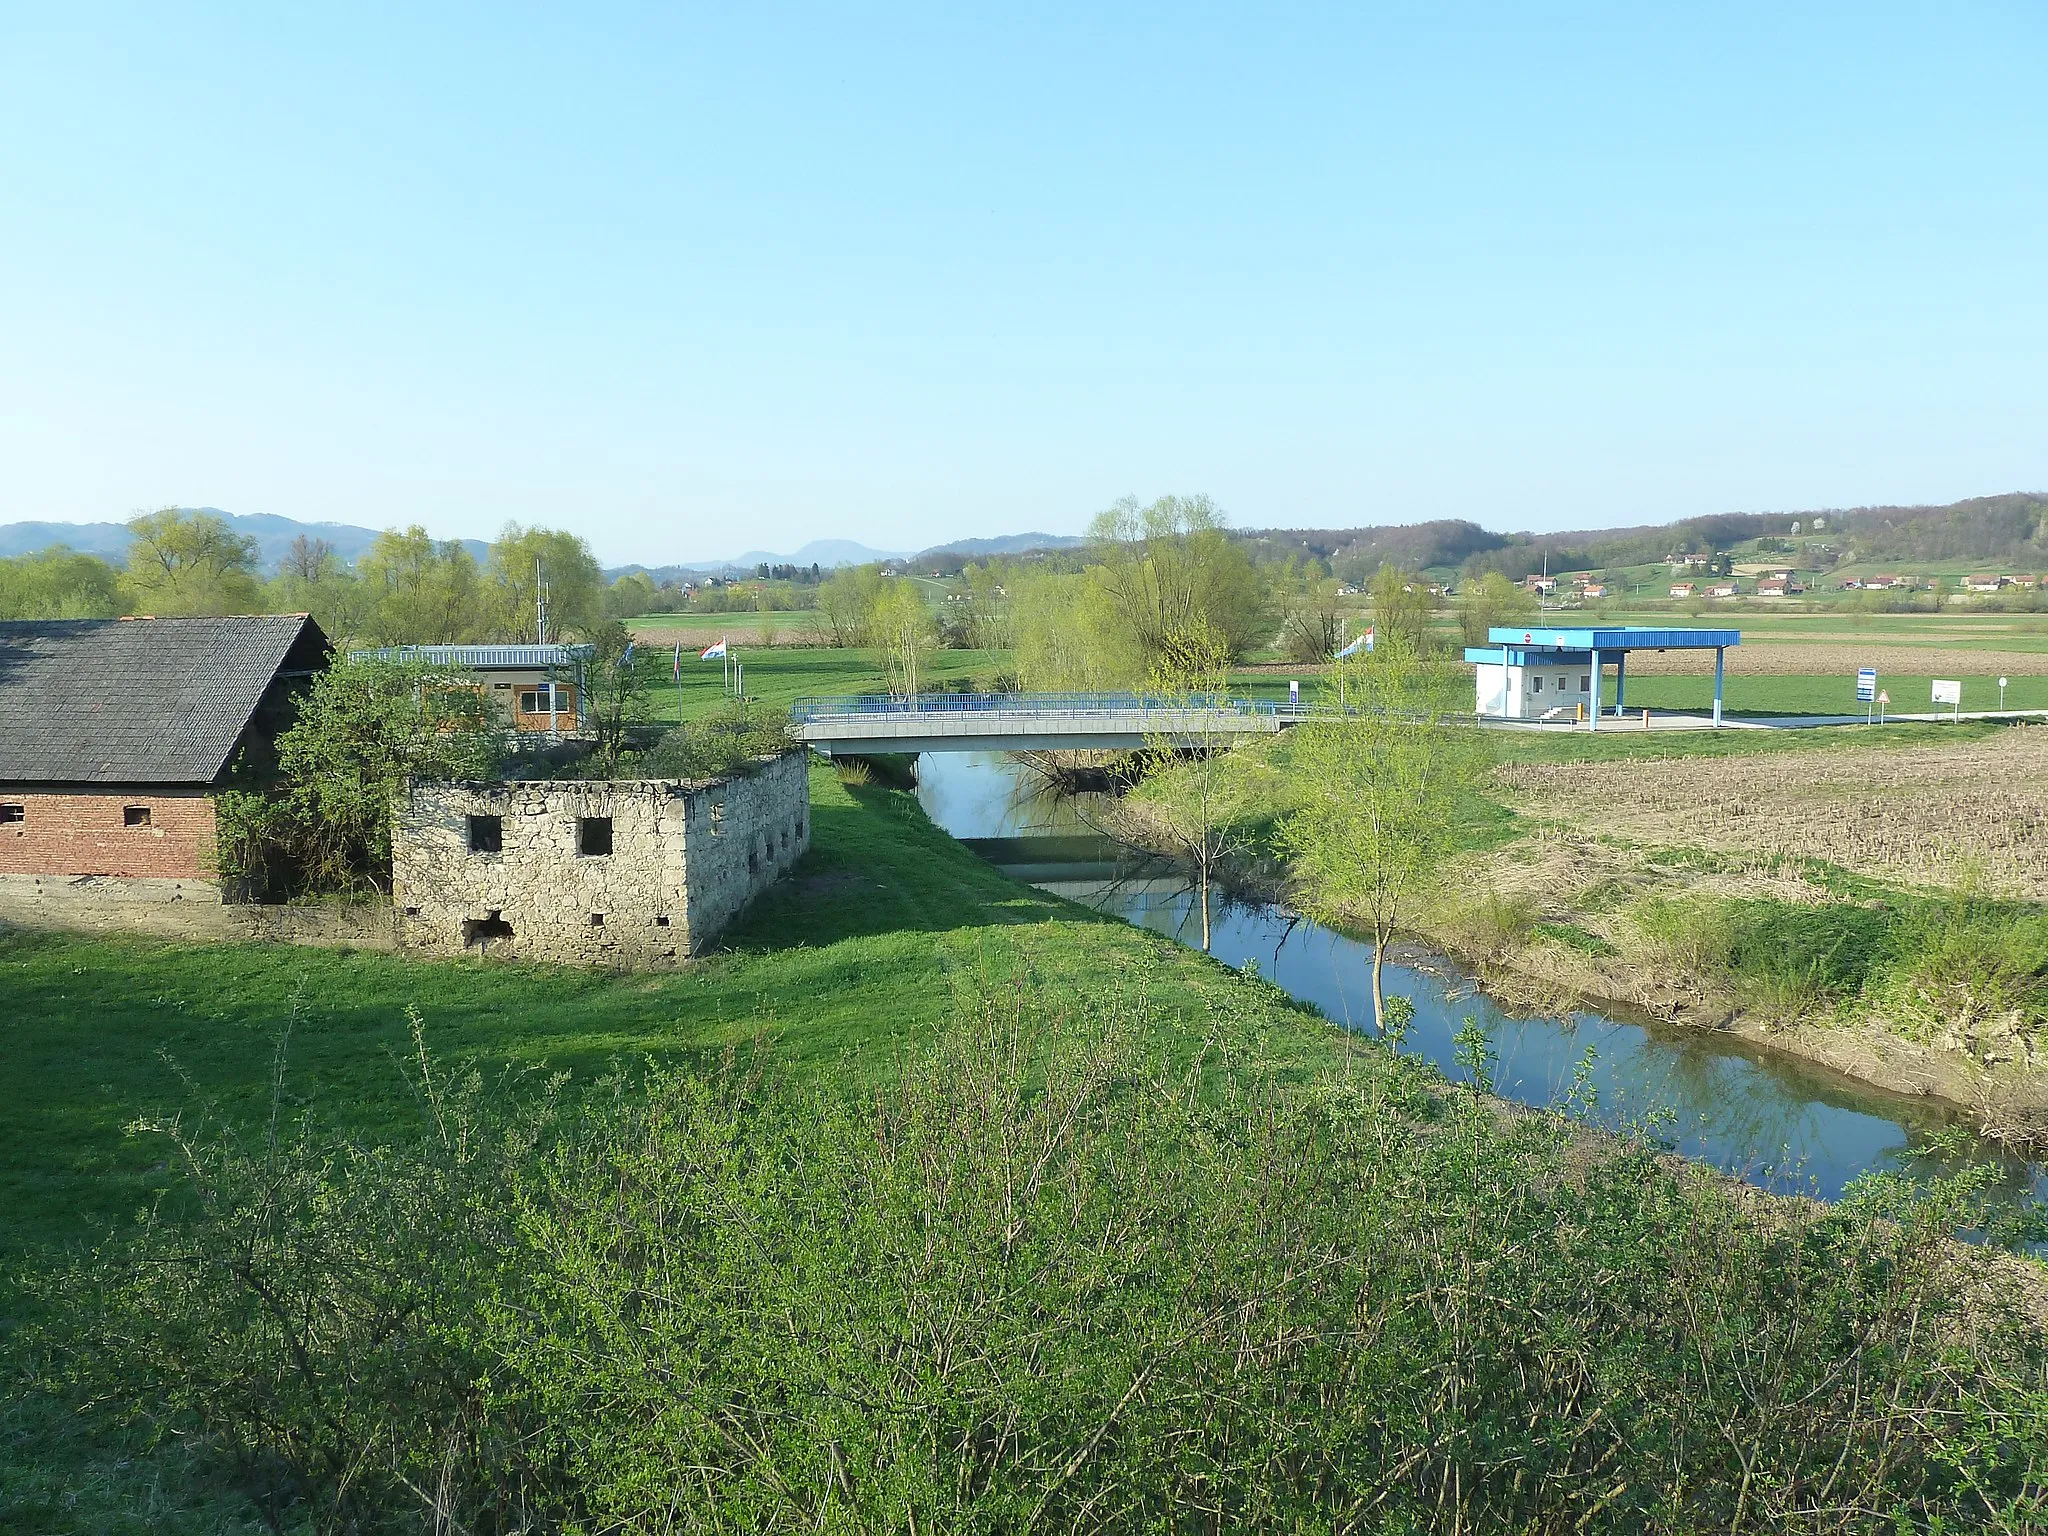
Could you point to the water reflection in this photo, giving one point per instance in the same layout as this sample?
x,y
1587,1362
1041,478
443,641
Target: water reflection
x,y
1771,1120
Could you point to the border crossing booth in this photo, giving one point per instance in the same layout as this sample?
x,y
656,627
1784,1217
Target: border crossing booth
x,y
1545,674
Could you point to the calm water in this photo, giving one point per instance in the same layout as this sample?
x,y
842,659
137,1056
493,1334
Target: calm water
x,y
1772,1120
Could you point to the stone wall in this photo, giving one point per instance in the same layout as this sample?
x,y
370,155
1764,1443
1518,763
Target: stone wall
x,y
136,832
629,873
188,910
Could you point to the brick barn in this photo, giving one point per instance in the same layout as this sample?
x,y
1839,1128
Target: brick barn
x,y
115,734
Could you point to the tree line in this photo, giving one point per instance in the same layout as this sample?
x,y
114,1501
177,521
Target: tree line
x,y
407,589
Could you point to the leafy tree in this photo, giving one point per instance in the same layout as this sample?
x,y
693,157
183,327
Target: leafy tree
x,y
58,583
364,727
1401,606
1313,630
1491,600
312,579
846,605
1380,785
422,590
903,626
1204,803
564,561
989,619
615,691
1063,636
1170,570
191,563
631,595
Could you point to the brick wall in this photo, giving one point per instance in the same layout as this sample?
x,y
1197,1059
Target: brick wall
x,y
87,834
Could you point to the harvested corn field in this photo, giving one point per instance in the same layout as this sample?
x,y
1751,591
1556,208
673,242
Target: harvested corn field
x,y
1927,815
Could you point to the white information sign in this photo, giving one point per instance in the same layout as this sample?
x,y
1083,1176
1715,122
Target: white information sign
x,y
1948,691
1866,685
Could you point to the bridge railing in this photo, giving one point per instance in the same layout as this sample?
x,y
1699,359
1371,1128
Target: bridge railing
x,y
856,706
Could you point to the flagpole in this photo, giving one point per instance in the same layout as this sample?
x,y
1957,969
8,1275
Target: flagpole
x,y
679,684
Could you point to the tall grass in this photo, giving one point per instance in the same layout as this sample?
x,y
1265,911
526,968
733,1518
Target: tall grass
x,y
1045,1280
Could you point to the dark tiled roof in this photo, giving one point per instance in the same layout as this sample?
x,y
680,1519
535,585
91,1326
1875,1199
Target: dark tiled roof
x,y
139,701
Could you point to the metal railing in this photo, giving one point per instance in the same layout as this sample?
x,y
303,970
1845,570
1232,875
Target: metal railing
x,y
1060,705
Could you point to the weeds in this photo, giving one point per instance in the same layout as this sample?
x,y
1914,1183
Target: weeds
x,y
1044,1280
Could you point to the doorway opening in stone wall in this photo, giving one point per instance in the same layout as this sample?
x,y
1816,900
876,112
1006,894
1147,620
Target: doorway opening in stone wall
x,y
594,836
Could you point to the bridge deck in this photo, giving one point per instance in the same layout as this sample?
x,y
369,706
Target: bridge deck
x,y
1019,722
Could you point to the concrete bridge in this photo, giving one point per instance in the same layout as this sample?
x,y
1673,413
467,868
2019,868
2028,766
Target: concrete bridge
x,y
1026,722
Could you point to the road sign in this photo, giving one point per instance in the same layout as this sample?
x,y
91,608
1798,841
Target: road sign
x,y
1866,685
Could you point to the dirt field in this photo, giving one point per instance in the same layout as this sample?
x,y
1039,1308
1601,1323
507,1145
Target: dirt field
x,y
1926,816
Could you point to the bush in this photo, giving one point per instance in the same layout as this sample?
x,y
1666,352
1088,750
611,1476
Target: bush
x,y
1045,1279
720,744
321,822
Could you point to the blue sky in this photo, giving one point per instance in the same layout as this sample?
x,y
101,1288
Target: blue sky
x,y
697,281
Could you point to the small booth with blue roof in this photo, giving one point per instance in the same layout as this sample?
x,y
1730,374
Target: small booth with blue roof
x,y
1537,674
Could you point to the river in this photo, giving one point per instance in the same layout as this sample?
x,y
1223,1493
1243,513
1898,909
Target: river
x,y
1773,1120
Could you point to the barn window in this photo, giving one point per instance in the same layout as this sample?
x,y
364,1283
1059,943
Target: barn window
x,y
594,836
486,834
13,813
134,815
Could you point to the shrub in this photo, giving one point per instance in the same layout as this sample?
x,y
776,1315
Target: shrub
x,y
720,743
1045,1279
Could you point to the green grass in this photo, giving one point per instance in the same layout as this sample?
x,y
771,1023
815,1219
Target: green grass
x,y
862,947
1615,741
779,677
1817,695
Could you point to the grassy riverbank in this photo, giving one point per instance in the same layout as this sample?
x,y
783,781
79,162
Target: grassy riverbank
x,y
932,1198
1872,898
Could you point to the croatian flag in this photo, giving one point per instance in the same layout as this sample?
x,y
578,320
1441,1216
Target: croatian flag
x,y
679,661
713,652
1362,643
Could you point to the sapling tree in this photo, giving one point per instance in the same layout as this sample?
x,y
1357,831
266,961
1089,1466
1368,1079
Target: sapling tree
x,y
613,690
1380,783
1204,804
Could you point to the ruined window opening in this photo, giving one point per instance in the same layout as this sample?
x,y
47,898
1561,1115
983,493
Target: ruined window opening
x,y
412,911
753,862
486,834
491,925
10,813
134,815
661,920
594,836
597,919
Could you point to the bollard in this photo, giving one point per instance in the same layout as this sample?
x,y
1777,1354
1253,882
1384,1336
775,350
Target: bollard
x,y
1646,719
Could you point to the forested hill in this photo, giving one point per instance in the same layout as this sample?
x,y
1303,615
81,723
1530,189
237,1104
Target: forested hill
x,y
2011,529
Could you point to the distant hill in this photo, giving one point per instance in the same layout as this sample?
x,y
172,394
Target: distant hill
x,y
828,553
273,536
1007,544
2010,529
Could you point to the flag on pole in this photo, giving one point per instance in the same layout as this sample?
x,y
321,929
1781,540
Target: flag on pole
x,y
713,652
679,661
1362,643
627,659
